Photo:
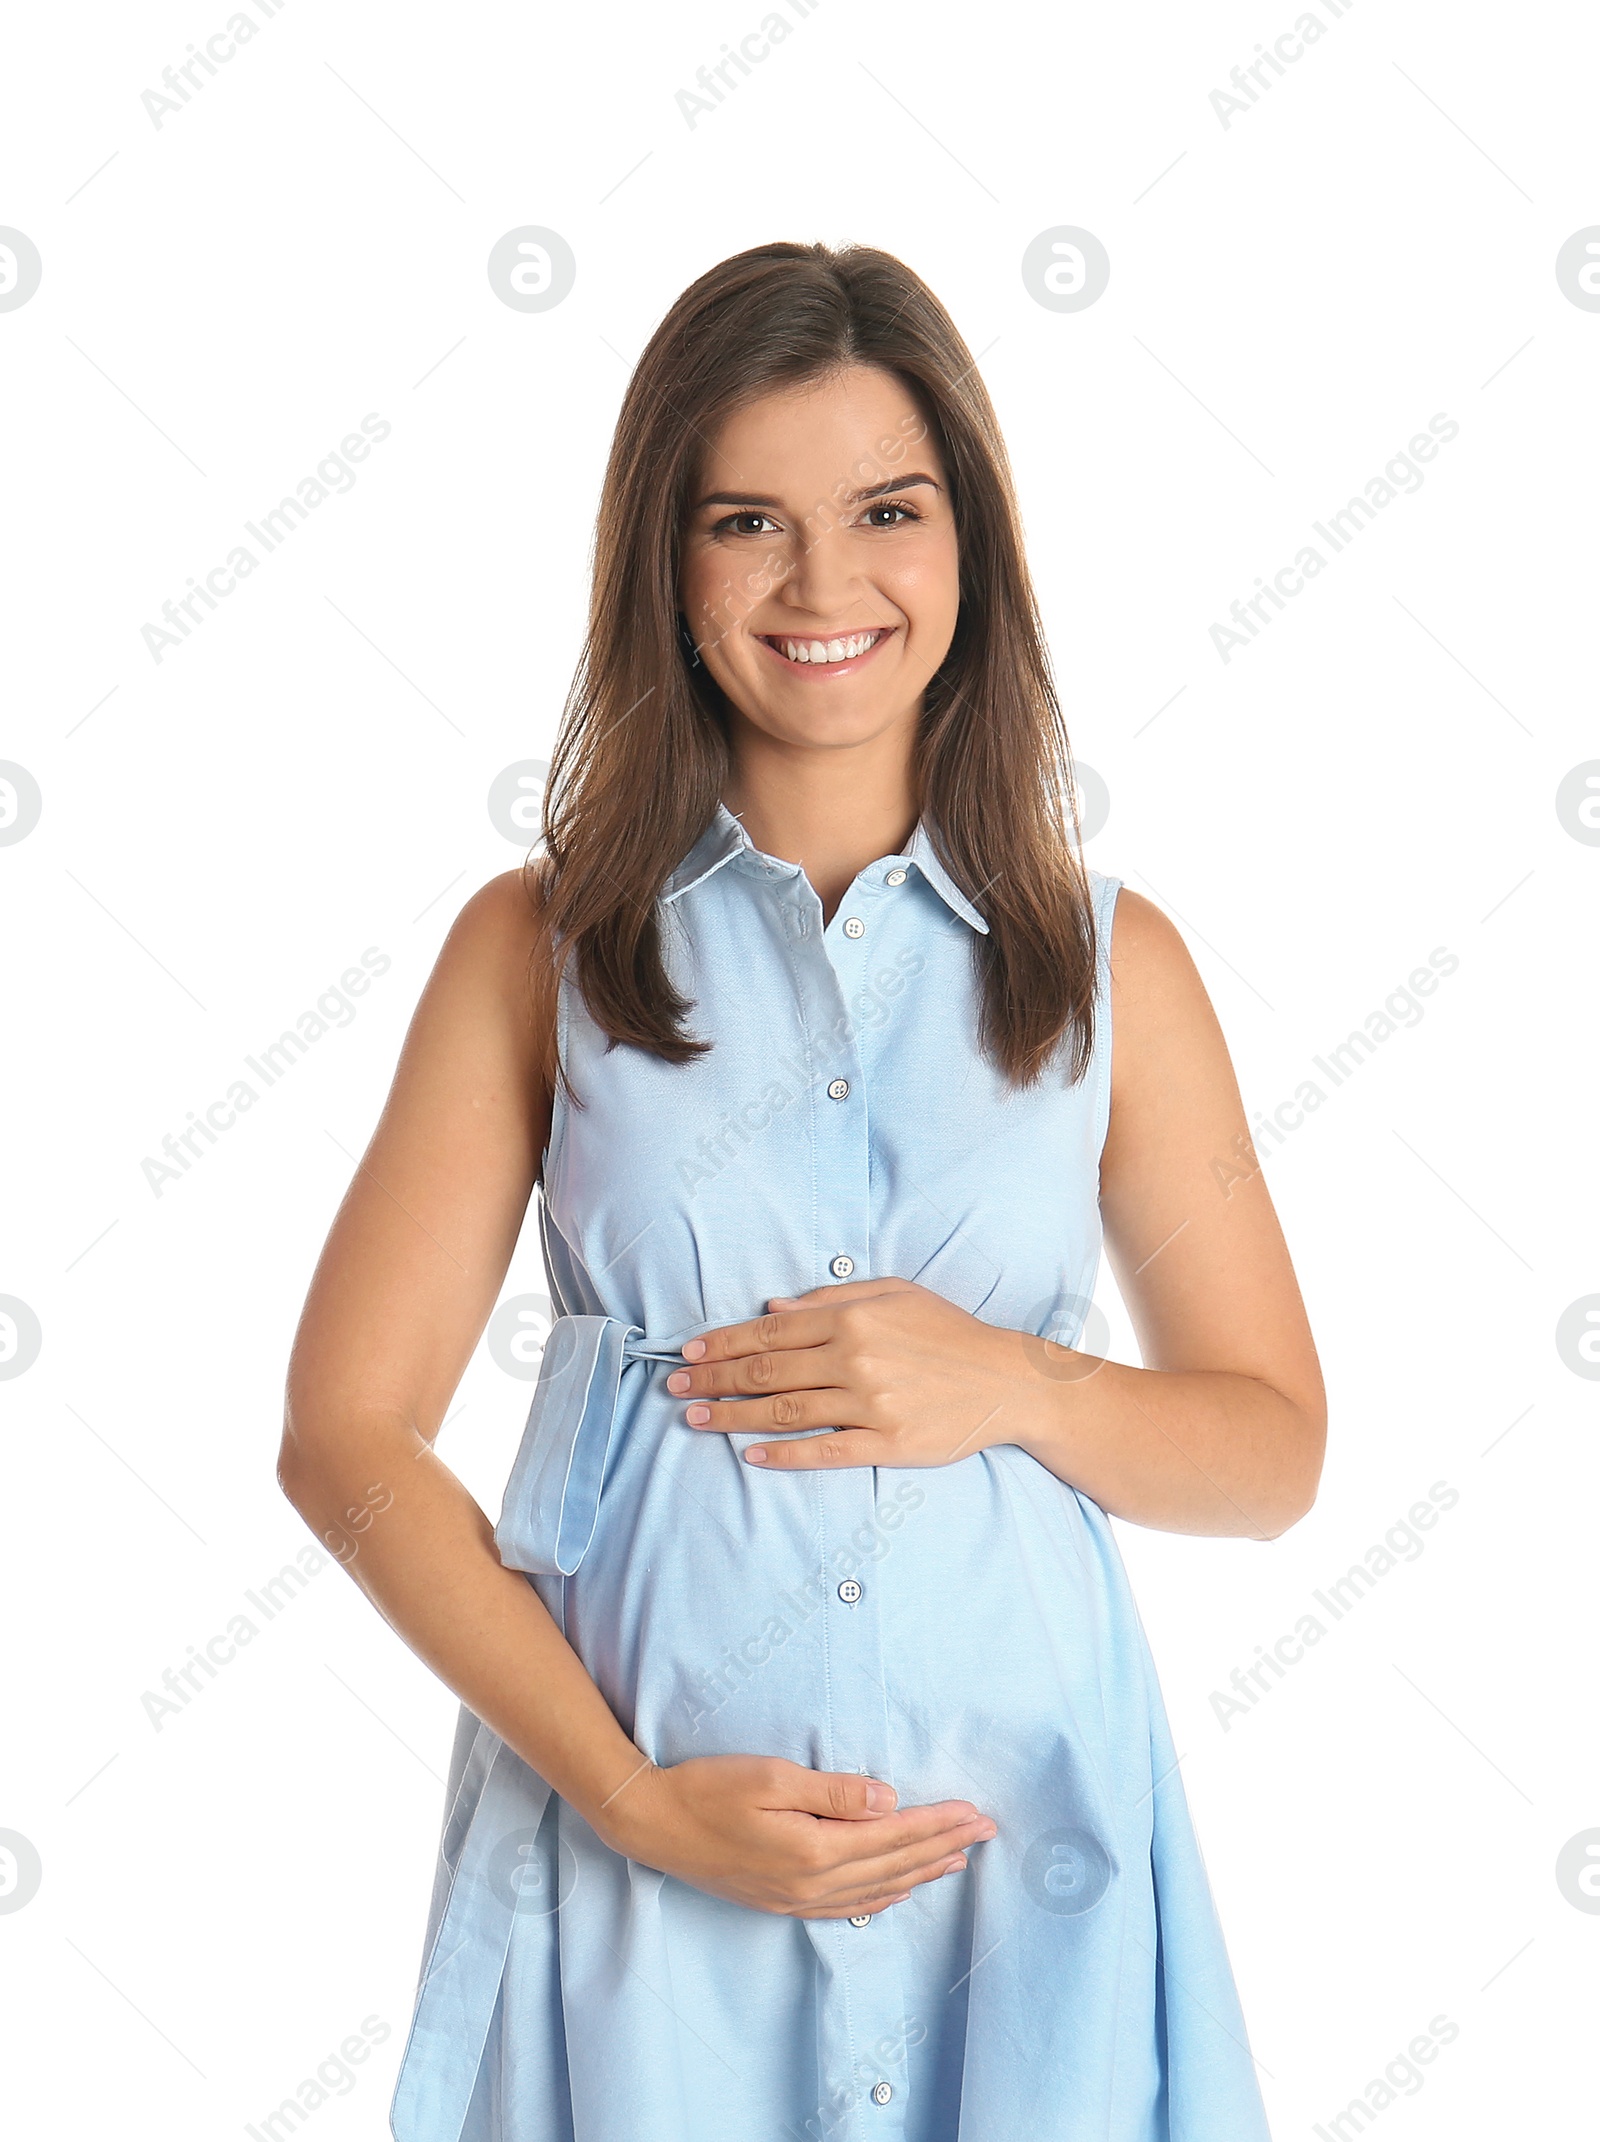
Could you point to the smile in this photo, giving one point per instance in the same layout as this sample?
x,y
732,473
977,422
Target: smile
x,y
827,657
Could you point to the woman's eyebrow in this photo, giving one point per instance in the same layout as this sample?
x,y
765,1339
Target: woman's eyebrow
x,y
775,505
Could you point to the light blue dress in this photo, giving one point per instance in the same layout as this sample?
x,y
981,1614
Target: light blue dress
x,y
964,1631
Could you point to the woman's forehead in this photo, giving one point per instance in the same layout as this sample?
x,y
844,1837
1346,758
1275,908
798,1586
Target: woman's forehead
x,y
859,426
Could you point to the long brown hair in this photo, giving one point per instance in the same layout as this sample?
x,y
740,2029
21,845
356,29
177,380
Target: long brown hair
x,y
642,755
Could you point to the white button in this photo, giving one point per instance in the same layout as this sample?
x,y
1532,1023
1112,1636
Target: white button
x,y
895,877
855,927
864,1920
881,2093
842,1267
838,1088
849,1591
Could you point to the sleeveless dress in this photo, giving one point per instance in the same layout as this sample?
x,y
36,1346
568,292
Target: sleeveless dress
x,y
962,1631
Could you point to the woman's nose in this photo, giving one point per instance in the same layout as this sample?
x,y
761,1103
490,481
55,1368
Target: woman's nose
x,y
823,578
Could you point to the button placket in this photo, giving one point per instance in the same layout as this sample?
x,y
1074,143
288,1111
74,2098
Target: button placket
x,y
847,971
867,2010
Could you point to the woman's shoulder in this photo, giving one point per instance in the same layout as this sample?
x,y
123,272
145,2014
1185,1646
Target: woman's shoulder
x,y
487,951
504,910
1159,1006
502,915
1147,948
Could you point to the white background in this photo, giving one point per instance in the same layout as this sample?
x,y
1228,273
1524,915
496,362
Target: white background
x,y
1292,297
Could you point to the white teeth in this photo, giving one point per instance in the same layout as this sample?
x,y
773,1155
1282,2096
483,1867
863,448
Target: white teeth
x,y
827,650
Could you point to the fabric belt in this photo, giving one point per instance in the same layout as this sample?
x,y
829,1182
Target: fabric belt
x,y
552,1500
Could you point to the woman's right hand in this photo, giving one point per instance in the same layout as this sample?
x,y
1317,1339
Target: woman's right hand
x,y
772,1835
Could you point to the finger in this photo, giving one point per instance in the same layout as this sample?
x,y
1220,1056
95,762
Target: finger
x,y
845,1795
863,1854
900,1871
824,1453
876,1904
878,1896
860,1856
887,1873
851,1795
857,1908
789,1327
800,1368
784,1412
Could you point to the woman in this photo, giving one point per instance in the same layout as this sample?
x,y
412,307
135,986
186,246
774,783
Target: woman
x,y
812,1777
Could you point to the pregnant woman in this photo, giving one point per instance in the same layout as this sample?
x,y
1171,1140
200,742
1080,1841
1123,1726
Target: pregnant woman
x,y
812,1778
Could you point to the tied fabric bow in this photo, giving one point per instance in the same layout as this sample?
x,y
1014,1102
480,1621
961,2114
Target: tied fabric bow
x,y
552,1499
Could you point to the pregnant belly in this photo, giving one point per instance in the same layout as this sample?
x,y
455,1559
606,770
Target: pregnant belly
x,y
971,1620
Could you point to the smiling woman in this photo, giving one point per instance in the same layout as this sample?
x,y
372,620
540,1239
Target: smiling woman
x,y
803,1597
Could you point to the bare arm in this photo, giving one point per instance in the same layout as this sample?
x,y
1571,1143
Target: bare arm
x,y
403,1289
1222,1430
405,1284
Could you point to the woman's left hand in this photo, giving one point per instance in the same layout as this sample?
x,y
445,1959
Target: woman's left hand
x,y
900,1374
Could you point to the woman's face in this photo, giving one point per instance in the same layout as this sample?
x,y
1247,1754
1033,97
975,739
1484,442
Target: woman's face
x,y
819,571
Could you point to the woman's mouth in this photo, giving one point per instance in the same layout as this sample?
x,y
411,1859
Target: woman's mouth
x,y
826,658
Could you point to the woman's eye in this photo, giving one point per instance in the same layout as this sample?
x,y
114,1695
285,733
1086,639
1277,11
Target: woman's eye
x,y
731,524
892,505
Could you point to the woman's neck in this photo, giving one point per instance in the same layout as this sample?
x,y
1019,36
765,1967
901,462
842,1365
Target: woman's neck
x,y
827,811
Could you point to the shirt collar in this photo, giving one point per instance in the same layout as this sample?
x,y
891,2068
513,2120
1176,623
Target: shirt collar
x,y
724,838
921,852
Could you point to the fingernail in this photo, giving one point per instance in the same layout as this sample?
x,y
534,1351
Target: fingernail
x,y
678,1381
880,1798
693,1349
697,1416
755,1457
985,1833
779,1301
904,1898
955,1866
